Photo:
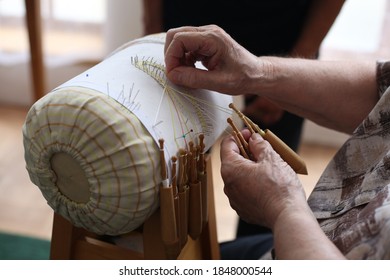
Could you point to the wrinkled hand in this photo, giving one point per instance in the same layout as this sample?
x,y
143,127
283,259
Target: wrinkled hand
x,y
230,67
262,189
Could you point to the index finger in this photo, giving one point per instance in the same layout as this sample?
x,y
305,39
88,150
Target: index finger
x,y
172,32
185,40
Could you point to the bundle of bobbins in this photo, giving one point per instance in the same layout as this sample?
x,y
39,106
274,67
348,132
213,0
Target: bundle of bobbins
x,y
183,197
285,152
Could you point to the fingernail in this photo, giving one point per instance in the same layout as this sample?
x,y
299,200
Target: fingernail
x,y
255,136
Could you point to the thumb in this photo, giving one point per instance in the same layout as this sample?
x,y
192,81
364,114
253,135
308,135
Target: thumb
x,y
186,76
258,147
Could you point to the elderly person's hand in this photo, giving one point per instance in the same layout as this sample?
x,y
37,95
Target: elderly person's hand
x,y
263,189
266,191
231,68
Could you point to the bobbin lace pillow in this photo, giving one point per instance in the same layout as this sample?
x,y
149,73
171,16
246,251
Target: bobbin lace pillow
x,y
92,159
91,144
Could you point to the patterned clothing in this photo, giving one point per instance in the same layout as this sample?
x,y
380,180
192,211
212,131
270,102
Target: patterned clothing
x,y
352,198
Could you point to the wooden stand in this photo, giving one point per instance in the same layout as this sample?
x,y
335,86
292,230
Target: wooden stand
x,y
69,242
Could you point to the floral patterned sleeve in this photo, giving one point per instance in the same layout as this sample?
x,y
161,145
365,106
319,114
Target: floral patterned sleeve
x,y
383,76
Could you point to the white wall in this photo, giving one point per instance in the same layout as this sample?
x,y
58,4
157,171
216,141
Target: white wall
x,y
124,22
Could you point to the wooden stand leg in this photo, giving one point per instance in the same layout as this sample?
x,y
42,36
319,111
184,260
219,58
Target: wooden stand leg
x,y
209,234
33,14
64,238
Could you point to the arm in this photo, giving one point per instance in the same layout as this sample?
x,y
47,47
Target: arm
x,y
338,95
152,17
267,191
320,19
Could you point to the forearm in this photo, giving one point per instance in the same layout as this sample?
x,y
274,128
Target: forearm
x,y
297,235
152,16
337,95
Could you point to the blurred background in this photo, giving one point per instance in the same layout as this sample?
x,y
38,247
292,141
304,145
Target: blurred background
x,y
78,34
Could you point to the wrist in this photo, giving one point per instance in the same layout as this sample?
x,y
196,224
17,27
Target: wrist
x,y
292,215
264,76
290,205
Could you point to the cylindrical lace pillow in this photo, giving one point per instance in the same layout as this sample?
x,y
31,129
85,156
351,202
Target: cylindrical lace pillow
x,y
94,162
91,144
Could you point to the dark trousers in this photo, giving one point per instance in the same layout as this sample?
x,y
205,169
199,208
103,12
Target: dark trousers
x,y
247,247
